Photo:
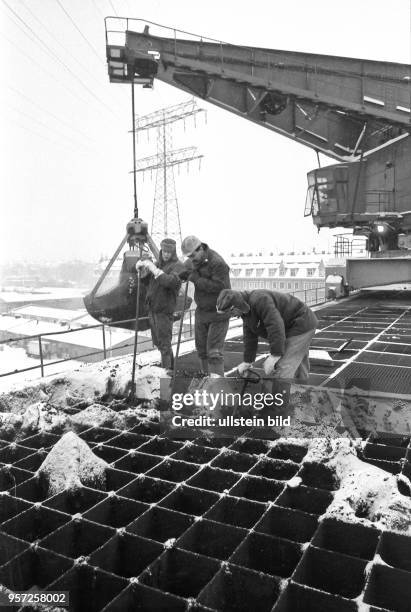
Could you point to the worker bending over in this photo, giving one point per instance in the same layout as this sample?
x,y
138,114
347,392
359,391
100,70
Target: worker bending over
x,y
287,323
163,286
210,274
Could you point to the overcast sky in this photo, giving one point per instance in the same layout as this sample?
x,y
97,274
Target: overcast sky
x,y
66,191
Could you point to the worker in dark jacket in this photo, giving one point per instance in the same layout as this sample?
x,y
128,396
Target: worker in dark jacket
x,y
210,274
163,286
287,323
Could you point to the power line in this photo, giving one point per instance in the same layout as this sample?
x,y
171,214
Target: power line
x,y
44,110
40,134
96,53
42,68
58,42
111,4
45,125
54,55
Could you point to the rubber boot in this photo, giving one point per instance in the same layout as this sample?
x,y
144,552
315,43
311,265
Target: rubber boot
x,y
204,366
216,368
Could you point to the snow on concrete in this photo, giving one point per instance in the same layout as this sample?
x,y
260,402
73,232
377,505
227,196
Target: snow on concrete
x,y
366,494
71,464
51,402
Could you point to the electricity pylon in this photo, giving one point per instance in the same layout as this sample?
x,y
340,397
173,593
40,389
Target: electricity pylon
x,y
166,217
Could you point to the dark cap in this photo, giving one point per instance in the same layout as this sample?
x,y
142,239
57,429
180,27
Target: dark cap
x,y
168,244
228,298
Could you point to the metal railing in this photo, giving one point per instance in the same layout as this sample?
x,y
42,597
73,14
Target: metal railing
x,y
309,296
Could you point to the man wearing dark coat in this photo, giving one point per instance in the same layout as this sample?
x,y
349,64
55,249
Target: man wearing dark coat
x,y
163,286
209,273
285,321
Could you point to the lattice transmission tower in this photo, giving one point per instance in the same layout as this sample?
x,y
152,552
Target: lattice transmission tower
x,y
166,216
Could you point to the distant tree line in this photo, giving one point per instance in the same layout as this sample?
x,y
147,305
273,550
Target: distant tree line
x,y
65,274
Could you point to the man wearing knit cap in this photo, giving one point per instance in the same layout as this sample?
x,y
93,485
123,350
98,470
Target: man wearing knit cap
x,y
163,286
209,273
287,323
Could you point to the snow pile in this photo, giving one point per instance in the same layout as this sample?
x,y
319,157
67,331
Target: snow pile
x,y
71,464
366,494
97,415
47,406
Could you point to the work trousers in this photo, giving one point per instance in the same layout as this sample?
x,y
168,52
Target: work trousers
x,y
210,333
295,362
161,326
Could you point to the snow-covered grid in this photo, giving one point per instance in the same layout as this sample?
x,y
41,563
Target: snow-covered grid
x,y
209,524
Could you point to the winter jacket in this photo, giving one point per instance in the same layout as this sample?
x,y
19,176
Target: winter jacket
x,y
162,291
209,278
275,316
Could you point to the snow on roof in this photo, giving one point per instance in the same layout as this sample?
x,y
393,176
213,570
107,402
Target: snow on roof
x,y
93,338
25,327
43,293
59,314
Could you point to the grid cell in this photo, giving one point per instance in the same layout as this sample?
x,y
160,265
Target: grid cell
x,y
146,489
307,499
146,599
137,463
213,479
232,460
160,524
41,440
395,549
35,523
13,453
90,588
288,450
116,511
236,589
332,572
34,568
298,598
10,547
77,538
257,488
98,434
180,573
11,506
108,453
189,500
194,453
175,471
268,554
275,469
353,540
212,539
129,441
389,588
160,446
126,555
286,523
75,501
11,477
236,511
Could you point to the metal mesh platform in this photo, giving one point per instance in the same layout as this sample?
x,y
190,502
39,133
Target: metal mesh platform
x,y
203,525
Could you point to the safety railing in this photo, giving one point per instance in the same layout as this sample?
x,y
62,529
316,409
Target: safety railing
x,y
309,296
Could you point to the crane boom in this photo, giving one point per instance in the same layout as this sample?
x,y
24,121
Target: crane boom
x,y
355,111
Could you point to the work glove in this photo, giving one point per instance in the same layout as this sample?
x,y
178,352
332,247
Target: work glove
x,y
269,364
140,264
194,276
243,368
188,269
148,265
